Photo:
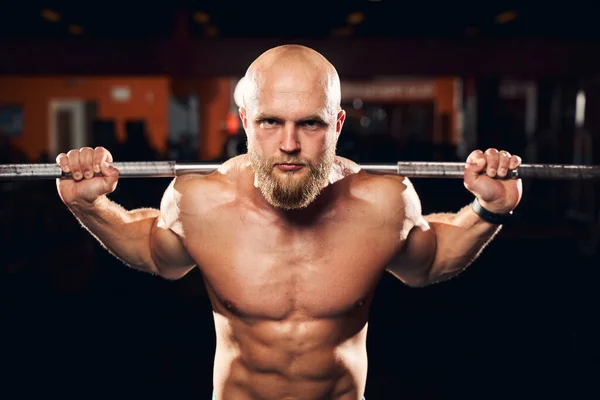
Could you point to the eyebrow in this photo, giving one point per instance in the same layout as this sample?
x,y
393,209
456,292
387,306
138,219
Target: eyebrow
x,y
313,117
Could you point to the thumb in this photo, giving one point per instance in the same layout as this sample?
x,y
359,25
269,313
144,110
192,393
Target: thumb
x,y
110,173
474,167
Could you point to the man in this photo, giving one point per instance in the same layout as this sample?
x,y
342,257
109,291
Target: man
x,y
291,240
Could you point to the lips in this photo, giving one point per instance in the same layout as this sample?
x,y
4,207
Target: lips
x,y
289,167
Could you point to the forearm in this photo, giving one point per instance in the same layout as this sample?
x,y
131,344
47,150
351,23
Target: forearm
x,y
125,234
460,239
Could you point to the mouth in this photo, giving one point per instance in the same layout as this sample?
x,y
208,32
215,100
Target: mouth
x,y
289,167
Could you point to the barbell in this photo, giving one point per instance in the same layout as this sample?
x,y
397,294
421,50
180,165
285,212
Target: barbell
x,y
410,169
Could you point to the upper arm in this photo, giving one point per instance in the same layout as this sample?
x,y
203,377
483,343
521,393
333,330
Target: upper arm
x,y
417,238
168,251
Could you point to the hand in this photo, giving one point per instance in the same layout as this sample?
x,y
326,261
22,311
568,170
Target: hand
x,y
483,178
83,164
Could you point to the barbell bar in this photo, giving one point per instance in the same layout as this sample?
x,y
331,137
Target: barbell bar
x,y
410,169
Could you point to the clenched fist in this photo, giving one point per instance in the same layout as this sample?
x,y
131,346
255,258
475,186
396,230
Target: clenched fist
x,y
92,176
482,171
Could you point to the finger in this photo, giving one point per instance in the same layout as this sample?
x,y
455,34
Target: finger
x,y
476,160
515,161
73,157
100,155
63,162
109,172
107,169
492,157
503,163
86,157
474,166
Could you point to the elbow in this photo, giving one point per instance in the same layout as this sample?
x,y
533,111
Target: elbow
x,y
155,268
170,272
418,284
409,277
418,281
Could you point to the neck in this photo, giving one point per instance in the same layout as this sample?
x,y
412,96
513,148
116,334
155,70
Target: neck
x,y
301,216
315,210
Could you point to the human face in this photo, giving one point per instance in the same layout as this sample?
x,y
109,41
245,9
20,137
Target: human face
x,y
292,130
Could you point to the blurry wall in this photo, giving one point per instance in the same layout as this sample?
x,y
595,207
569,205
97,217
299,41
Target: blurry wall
x,y
147,99
214,102
443,92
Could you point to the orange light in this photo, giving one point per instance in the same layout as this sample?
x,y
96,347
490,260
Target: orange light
x,y
356,18
50,15
232,123
201,17
471,31
345,31
212,30
75,29
505,17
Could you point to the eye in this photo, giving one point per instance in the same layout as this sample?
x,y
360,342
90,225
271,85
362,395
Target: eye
x,y
312,124
268,122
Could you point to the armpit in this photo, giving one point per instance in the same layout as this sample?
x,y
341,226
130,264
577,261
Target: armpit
x,y
169,211
413,213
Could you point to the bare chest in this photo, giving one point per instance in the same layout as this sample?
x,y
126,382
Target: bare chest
x,y
262,269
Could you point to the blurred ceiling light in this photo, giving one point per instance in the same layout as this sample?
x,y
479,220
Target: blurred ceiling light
x,y
212,30
580,109
75,29
505,17
356,18
201,17
345,31
50,15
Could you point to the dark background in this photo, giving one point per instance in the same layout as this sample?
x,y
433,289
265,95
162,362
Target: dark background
x,y
519,323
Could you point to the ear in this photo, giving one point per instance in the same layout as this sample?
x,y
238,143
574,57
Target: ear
x,y
341,117
243,117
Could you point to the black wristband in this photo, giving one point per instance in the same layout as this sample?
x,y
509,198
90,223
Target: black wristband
x,y
489,216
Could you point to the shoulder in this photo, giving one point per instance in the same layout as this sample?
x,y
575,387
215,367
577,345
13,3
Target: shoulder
x,y
391,195
197,194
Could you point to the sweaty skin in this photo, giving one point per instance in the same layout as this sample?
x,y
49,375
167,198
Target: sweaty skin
x,y
290,295
290,239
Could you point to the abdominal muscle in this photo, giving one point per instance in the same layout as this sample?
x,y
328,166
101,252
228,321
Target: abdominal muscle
x,y
296,358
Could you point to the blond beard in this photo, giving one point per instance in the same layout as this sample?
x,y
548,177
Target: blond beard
x,y
291,192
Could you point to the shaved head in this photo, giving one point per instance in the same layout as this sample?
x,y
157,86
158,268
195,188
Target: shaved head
x,y
292,116
298,66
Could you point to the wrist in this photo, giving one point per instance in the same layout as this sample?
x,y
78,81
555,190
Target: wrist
x,y
488,215
84,205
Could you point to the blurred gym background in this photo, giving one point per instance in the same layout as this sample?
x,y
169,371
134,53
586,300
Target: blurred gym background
x,y
420,81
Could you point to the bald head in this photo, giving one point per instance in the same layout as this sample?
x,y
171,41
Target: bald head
x,y
292,69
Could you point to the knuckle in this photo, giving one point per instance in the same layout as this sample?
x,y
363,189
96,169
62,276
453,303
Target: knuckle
x,y
100,153
491,151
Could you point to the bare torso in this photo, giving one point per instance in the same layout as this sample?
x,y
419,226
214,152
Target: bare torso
x,y
290,296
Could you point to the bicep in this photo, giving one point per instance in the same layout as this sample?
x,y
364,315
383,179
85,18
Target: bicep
x,y
168,253
413,262
167,249
418,245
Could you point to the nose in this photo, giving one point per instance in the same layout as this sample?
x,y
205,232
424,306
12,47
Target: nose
x,y
290,143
